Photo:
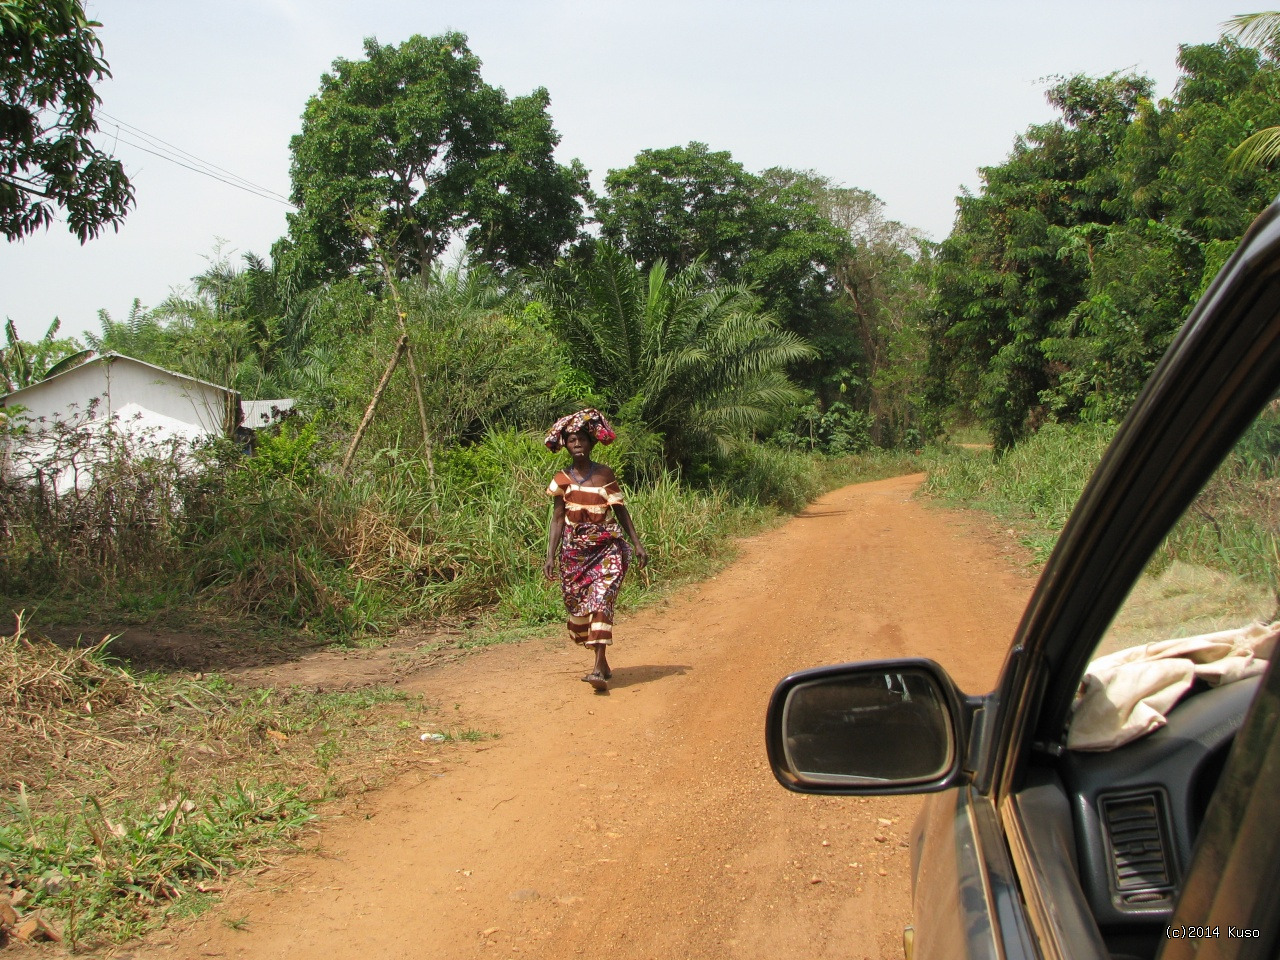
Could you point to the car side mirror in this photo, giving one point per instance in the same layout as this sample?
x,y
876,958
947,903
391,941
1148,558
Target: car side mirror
x,y
886,726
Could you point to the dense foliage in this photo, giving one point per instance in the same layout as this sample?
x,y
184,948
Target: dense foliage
x,y
50,58
1069,272
822,258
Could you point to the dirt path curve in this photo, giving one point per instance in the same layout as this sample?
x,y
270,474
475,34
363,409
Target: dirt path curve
x,y
645,823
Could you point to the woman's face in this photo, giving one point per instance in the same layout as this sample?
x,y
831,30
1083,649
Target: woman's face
x,y
579,444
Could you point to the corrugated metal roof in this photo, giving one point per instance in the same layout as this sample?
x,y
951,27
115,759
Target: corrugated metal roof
x,y
120,356
260,413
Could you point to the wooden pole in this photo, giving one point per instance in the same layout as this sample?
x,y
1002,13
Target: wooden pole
x,y
401,346
365,227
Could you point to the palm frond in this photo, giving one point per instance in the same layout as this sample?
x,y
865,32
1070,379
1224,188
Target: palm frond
x,y
1261,30
1257,151
67,363
695,361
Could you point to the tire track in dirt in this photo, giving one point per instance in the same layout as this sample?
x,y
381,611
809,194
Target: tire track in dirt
x,y
645,823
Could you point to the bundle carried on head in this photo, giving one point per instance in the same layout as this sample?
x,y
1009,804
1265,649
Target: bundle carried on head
x,y
590,420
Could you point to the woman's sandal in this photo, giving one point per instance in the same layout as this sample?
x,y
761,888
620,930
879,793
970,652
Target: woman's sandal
x,y
586,677
597,682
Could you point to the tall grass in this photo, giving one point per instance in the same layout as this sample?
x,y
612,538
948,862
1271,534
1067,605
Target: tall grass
x,y
1232,526
1033,487
484,527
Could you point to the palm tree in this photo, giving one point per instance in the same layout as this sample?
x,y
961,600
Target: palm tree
x,y
141,335
695,361
1261,30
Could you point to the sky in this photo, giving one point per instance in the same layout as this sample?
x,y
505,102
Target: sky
x,y
906,99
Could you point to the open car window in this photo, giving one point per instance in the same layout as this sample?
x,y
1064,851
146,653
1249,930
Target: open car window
x,y
1204,611
1167,688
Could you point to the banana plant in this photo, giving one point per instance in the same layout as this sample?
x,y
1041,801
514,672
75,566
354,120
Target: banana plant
x,y
22,363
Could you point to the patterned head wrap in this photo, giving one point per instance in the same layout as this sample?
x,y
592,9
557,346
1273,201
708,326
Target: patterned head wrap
x,y
590,420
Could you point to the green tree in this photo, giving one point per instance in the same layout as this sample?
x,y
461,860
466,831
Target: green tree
x,y
1187,205
795,243
50,59
822,257
141,335
1017,263
226,327
1070,272
696,361
881,280
413,136
682,204
482,359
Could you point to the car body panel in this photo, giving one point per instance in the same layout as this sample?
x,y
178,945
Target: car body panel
x,y
1231,887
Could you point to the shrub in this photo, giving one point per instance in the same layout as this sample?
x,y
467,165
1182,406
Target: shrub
x,y
771,476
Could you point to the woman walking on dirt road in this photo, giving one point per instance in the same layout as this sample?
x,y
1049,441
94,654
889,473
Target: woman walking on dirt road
x,y
592,551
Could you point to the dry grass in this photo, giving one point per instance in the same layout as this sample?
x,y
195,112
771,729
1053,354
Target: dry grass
x,y
1184,600
76,723
123,797
57,707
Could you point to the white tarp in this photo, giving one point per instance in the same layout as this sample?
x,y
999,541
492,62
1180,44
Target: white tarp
x,y
71,452
1127,694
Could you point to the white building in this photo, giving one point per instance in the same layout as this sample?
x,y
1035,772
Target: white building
x,y
101,388
147,405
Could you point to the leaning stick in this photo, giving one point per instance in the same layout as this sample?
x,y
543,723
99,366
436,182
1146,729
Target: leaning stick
x,y
401,346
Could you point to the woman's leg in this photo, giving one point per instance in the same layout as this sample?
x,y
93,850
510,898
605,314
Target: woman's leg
x,y
601,637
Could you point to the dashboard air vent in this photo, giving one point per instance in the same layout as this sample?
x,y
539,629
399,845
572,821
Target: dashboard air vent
x,y
1141,859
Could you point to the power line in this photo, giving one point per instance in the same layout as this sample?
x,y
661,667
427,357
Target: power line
x,y
206,173
174,154
155,141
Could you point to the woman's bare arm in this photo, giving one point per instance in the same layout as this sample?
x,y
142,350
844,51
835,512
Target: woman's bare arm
x,y
555,531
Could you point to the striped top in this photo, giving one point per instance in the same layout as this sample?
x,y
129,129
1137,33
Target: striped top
x,y
582,503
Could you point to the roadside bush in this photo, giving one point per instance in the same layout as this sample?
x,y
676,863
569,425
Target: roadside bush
x,y
80,504
280,539
771,476
1033,486
838,430
1231,527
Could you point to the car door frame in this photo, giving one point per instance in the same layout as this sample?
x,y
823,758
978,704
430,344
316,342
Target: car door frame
x,y
1219,372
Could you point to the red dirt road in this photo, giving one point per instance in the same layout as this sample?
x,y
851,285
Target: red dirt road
x,y
645,823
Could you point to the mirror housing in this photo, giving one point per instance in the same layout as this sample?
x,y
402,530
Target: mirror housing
x,y
878,727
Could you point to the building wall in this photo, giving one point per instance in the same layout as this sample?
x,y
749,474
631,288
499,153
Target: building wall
x,y
115,381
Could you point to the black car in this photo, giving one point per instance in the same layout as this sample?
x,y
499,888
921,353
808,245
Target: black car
x,y
1164,846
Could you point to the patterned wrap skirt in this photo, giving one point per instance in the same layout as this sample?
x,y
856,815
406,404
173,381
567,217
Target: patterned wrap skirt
x,y
593,561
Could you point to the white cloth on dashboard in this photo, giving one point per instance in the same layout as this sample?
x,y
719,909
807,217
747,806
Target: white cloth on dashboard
x,y
1126,695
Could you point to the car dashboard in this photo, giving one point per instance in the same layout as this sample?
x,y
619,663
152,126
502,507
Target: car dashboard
x,y
1135,811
